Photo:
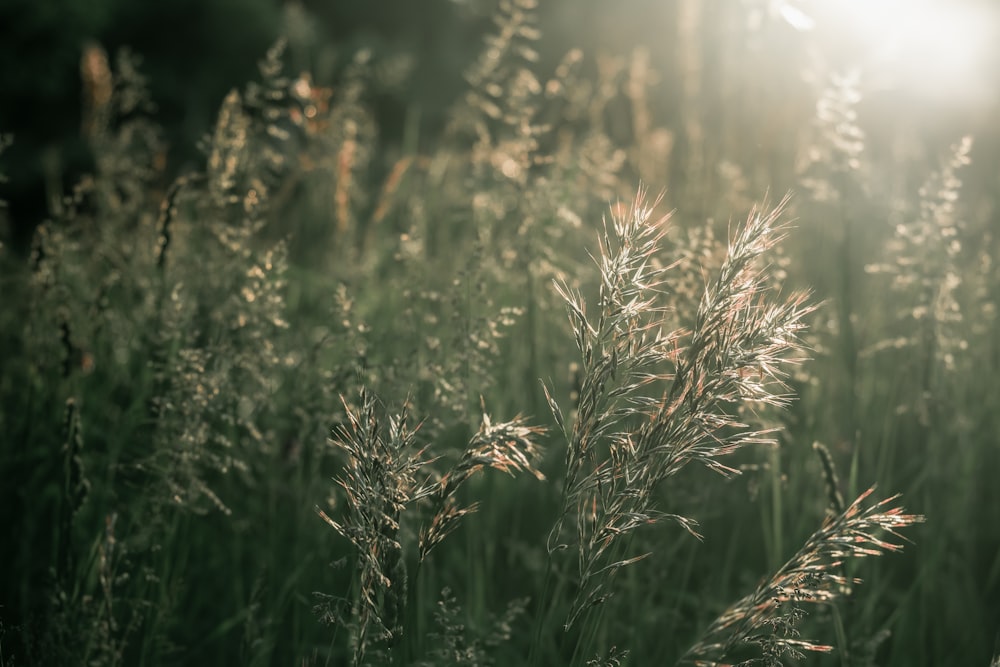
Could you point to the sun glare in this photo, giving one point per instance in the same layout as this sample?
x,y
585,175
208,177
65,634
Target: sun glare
x,y
925,46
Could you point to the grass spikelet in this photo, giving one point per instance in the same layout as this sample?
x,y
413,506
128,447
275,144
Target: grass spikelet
x,y
625,442
768,617
379,481
508,446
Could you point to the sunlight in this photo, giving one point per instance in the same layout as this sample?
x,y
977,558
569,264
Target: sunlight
x,y
936,42
938,46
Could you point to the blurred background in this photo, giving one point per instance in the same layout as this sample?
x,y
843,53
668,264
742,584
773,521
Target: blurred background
x,y
723,79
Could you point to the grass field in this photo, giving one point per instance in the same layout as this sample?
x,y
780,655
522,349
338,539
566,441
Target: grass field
x,y
530,392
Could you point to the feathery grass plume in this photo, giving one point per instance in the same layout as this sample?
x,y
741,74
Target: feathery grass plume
x,y
352,130
257,140
831,172
228,332
837,176
229,326
617,349
925,260
327,141
310,136
500,116
508,446
228,150
768,618
95,248
500,106
269,104
523,178
129,148
379,482
624,442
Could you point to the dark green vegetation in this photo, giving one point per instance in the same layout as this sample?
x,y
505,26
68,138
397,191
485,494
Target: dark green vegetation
x,y
328,399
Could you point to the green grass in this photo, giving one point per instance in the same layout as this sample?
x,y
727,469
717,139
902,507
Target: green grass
x,y
320,404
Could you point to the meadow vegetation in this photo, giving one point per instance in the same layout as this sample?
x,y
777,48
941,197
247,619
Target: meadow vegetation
x,y
490,398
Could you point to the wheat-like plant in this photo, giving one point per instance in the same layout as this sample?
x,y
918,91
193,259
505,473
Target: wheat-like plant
x,y
380,482
627,440
507,446
768,618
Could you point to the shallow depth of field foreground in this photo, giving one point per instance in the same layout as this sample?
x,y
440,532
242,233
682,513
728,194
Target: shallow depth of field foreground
x,y
519,332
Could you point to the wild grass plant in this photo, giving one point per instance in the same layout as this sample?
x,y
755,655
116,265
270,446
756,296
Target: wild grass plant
x,y
318,401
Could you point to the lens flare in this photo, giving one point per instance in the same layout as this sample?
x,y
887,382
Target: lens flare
x,y
924,46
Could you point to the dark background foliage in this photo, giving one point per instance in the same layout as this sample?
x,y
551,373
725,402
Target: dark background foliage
x,y
193,51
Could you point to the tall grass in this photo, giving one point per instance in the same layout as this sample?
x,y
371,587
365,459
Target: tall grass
x,y
319,402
